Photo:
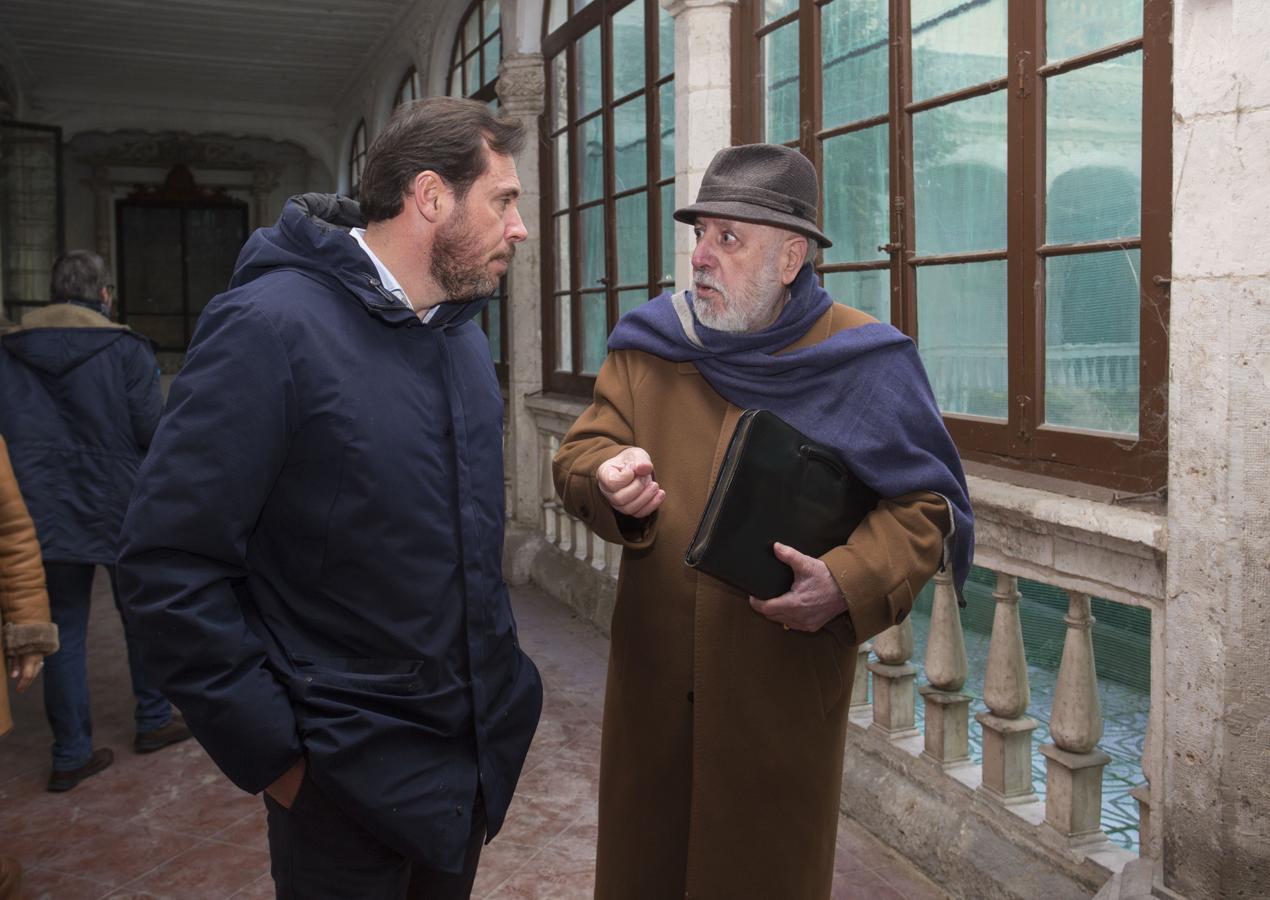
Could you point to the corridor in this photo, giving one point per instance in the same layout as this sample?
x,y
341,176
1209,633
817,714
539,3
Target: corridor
x,y
170,825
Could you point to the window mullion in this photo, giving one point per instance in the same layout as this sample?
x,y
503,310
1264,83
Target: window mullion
x,y
903,236
609,166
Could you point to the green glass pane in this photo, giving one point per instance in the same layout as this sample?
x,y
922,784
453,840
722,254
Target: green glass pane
x,y
857,195
560,151
774,9
628,49
632,239
564,253
456,81
471,32
564,334
1091,341
493,13
665,42
556,15
559,92
588,73
630,151
668,232
591,159
959,175
493,54
1073,27
591,245
869,291
628,300
956,45
961,335
666,103
595,332
494,330
472,77
855,48
780,84
1093,152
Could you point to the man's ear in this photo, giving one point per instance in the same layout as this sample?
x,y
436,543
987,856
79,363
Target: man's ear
x,y
103,296
430,195
793,254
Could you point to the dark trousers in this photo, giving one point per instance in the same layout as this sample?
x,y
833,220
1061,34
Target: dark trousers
x,y
66,702
318,853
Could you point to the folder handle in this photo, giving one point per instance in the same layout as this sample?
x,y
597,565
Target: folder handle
x,y
810,452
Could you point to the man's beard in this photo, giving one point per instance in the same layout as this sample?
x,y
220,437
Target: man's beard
x,y
461,272
744,309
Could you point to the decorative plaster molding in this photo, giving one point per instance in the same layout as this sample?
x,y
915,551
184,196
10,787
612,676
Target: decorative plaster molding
x,y
675,7
166,149
522,84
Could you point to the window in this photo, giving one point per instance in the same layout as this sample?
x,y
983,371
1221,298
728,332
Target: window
x,y
996,180
357,158
477,52
608,178
473,73
409,89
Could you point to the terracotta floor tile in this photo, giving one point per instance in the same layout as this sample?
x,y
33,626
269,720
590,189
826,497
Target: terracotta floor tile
x,y
201,809
550,875
252,830
120,852
43,884
37,837
565,780
260,889
536,821
863,885
500,861
210,870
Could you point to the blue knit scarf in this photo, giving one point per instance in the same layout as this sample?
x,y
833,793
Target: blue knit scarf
x,y
862,391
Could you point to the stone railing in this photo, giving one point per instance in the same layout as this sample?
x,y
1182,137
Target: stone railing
x,y
1052,847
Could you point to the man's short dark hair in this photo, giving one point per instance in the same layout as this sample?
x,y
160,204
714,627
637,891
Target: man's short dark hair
x,y
442,134
78,275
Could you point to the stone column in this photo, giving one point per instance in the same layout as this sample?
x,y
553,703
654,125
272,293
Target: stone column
x,y
103,212
860,681
1007,729
522,93
1215,796
894,710
703,102
263,183
1073,763
947,709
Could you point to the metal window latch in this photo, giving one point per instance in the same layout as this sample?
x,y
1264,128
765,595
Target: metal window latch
x,y
889,248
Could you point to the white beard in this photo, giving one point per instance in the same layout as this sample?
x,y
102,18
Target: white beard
x,y
739,312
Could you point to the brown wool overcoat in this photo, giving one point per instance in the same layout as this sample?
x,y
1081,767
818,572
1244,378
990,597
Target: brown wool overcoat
x,y
722,752
24,603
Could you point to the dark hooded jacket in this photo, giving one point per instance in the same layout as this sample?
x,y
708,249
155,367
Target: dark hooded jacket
x,y
79,401
312,555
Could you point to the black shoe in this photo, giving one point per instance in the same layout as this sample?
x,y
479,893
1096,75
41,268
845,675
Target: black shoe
x,y
172,733
64,780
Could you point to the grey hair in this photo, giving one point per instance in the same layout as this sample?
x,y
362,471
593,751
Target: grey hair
x,y
78,275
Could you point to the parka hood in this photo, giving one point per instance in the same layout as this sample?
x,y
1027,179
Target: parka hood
x,y
312,237
63,335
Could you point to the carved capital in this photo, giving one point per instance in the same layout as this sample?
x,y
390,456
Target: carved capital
x,y
675,7
522,84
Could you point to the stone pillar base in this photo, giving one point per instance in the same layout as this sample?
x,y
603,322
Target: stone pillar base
x,y
1007,758
894,712
947,727
1073,793
860,683
1142,793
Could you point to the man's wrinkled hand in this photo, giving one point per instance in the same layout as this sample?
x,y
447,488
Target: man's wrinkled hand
x,y
626,482
812,600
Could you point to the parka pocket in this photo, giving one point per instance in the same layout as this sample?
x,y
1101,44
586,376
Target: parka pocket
x,y
358,676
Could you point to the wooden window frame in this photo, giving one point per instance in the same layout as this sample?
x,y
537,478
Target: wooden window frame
x,y
356,158
1022,441
565,39
410,88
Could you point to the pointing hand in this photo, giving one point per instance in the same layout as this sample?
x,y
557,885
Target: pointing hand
x,y
626,481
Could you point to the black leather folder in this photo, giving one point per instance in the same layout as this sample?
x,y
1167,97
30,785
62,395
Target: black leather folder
x,y
775,484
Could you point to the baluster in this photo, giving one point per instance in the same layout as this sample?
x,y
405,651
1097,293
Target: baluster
x,y
599,552
894,712
947,709
564,529
860,682
1007,729
581,538
613,559
1073,763
549,520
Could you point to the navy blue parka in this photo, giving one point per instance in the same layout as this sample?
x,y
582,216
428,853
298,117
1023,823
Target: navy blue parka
x,y
312,554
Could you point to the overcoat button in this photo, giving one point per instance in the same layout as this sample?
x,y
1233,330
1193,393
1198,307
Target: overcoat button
x,y
901,616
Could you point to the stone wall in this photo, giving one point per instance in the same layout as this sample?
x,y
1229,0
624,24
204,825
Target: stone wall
x,y
1217,693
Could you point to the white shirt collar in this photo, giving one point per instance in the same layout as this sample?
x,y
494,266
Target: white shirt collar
x,y
386,278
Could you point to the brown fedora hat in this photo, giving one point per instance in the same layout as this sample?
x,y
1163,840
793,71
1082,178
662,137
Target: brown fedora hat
x,y
766,184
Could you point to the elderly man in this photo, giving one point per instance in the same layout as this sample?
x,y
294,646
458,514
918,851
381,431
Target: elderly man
x,y
313,551
81,401
725,717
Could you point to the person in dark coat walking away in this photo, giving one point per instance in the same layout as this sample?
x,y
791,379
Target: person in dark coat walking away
x,y
81,401
313,552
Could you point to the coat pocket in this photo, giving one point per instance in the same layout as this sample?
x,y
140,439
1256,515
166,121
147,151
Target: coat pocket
x,y
832,659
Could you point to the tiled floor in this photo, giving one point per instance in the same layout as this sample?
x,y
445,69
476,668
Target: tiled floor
x,y
170,825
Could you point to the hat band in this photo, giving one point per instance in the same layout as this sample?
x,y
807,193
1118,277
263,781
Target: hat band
x,y
757,196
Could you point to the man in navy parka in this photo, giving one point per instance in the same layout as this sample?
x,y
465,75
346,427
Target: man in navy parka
x,y
312,553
